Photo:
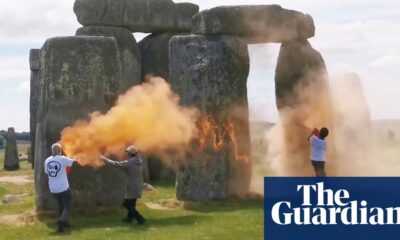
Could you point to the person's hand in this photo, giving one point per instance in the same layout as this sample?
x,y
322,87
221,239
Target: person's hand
x,y
315,132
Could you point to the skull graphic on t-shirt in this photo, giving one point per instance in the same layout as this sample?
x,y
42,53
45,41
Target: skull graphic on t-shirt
x,y
53,168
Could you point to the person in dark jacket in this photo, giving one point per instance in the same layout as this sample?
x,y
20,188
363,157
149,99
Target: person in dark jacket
x,y
133,168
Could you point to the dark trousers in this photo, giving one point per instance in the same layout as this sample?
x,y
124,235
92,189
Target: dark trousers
x,y
130,205
64,204
319,168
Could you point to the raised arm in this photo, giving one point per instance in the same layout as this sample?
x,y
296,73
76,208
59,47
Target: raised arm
x,y
314,132
117,164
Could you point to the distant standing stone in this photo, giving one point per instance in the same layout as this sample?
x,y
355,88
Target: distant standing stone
x,y
11,160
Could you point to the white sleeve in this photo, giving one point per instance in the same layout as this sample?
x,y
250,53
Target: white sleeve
x,y
45,167
68,161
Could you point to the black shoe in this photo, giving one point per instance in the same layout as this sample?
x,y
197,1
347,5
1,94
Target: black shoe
x,y
127,220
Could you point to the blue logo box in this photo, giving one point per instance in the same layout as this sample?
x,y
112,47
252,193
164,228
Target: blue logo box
x,y
345,208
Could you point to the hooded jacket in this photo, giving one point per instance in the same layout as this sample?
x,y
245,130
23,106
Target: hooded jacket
x,y
133,167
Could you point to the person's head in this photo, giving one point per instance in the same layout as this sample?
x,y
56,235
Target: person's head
x,y
132,151
323,133
56,149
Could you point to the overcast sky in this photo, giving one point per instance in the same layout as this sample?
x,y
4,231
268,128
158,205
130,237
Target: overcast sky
x,y
352,35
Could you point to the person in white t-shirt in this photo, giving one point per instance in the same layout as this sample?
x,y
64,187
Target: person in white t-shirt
x,y
55,167
318,150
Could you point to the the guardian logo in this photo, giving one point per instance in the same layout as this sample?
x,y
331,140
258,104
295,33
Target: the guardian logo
x,y
331,207
365,208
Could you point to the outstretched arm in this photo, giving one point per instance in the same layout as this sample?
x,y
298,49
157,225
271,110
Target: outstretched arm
x,y
117,164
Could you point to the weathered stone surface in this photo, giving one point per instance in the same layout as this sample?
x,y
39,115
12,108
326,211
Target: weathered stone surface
x,y
78,75
137,15
257,23
11,160
184,14
128,49
155,55
210,73
352,121
34,59
33,108
304,103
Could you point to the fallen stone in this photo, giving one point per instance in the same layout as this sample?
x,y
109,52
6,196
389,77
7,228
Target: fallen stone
x,y
78,75
148,187
23,158
128,49
11,160
11,199
256,24
137,15
210,73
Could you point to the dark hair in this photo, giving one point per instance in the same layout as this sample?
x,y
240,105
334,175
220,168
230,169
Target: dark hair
x,y
323,133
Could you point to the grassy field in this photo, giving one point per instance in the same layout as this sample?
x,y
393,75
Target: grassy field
x,y
239,219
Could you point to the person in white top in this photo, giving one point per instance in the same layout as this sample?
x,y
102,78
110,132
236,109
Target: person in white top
x,y
318,150
55,168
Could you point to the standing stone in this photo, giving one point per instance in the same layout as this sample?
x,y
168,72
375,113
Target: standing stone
x,y
11,160
352,121
137,15
34,98
78,75
159,171
155,55
34,59
304,103
257,24
155,62
210,73
128,49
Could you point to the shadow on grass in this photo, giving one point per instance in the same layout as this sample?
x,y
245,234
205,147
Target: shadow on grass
x,y
111,221
225,206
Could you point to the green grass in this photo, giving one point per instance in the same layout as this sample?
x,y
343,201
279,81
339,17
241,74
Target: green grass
x,y
25,167
239,219
214,220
